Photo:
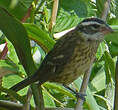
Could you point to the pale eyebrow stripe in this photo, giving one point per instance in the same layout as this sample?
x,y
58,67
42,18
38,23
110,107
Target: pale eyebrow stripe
x,y
88,23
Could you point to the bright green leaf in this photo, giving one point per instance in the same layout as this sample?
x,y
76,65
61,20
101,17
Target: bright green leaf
x,y
15,32
41,37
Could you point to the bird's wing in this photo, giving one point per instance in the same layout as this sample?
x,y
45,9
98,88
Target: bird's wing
x,y
57,58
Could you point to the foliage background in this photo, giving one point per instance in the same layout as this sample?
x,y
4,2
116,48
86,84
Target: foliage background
x,y
30,19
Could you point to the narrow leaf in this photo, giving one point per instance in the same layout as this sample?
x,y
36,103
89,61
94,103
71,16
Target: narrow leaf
x,y
16,33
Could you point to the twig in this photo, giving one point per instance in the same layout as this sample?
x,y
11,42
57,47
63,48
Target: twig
x,y
38,98
15,106
116,87
10,105
28,98
27,15
54,14
83,89
106,10
41,99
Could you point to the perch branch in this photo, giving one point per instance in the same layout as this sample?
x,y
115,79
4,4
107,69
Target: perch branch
x,y
83,89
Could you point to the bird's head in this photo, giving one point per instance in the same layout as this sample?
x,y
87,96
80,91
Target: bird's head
x,y
93,29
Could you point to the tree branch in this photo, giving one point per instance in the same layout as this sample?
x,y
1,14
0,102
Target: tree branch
x,y
83,89
38,97
106,10
28,98
14,106
54,14
10,105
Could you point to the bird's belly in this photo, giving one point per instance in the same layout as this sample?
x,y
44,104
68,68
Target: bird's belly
x,y
73,70
79,63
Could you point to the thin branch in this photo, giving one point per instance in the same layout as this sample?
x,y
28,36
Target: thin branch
x,y
41,99
37,93
10,105
15,106
116,87
28,98
106,10
54,14
27,15
83,89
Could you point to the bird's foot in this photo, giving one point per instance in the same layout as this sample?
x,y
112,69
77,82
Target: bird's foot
x,y
78,94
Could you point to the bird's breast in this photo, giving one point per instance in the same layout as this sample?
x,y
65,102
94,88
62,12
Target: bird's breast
x,y
79,63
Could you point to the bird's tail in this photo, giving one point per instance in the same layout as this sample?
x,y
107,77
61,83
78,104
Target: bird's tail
x,y
25,83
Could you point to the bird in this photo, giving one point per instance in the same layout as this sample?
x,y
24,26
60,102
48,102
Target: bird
x,y
71,56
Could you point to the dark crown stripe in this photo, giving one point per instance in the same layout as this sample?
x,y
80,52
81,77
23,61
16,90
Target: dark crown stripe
x,y
94,19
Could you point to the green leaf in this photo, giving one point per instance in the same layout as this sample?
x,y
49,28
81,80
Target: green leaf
x,y
59,88
113,38
10,80
110,62
110,66
42,38
16,33
116,9
16,7
65,22
7,67
109,95
100,7
98,81
13,94
113,49
12,53
78,6
100,50
49,102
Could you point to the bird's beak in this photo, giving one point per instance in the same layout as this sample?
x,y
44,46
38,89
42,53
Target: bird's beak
x,y
107,30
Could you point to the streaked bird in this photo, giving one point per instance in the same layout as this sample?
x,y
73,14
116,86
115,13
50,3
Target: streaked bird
x,y
72,55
